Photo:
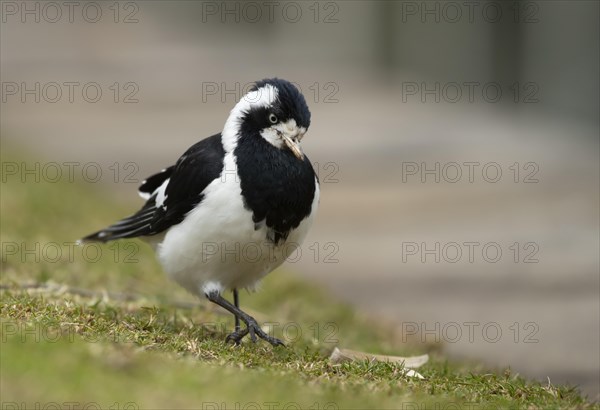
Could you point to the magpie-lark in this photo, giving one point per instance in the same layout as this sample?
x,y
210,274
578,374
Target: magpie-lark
x,y
235,205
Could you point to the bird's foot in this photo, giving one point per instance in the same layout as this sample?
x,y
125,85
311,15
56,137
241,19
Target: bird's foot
x,y
252,326
254,330
237,336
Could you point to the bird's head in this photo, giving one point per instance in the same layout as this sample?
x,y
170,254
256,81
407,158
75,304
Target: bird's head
x,y
273,109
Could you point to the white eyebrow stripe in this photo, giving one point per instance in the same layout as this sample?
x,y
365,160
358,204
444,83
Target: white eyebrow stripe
x,y
263,97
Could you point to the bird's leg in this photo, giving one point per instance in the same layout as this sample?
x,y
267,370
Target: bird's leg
x,y
252,326
236,302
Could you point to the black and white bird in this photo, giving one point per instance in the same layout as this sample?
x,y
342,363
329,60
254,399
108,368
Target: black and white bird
x,y
235,205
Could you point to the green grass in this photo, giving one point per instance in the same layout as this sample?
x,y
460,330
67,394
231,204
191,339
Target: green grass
x,y
115,333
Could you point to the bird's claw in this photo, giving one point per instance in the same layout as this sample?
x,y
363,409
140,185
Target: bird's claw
x,y
236,337
254,330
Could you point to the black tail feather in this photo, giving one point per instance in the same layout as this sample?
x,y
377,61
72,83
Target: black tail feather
x,y
133,226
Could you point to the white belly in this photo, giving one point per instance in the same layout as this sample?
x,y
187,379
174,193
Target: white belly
x,y
217,246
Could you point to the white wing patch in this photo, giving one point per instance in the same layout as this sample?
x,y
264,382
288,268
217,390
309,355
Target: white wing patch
x,y
148,195
160,194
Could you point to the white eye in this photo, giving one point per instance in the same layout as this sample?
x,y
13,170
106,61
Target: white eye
x,y
273,118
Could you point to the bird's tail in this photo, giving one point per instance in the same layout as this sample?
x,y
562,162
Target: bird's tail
x,y
130,227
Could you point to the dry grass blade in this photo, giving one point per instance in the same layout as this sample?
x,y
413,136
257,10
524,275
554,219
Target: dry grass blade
x,y
343,355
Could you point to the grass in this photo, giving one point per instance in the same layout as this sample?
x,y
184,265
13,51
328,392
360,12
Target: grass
x,y
109,330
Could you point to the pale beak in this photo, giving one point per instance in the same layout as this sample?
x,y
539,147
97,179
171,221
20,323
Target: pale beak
x,y
293,145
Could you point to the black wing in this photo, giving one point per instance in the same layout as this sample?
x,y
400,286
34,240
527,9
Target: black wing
x,y
186,181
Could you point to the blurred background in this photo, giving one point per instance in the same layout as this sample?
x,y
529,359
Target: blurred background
x,y
457,145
